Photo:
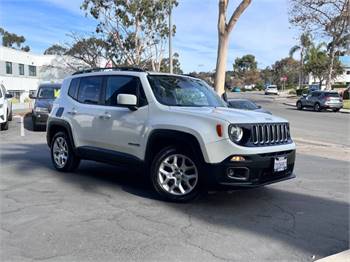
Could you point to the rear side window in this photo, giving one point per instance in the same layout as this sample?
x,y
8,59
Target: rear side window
x,y
73,88
116,85
89,90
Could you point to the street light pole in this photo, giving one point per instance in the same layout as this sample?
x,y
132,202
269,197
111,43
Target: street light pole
x,y
170,36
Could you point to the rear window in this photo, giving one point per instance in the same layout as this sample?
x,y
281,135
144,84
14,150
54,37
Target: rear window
x,y
331,94
73,88
48,92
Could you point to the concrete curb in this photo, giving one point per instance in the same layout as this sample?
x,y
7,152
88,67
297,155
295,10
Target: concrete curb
x,y
340,257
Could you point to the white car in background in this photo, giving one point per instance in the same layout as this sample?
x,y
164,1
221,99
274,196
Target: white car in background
x,y
271,90
5,108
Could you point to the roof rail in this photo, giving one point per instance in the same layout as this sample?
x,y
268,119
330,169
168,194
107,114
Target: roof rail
x,y
101,69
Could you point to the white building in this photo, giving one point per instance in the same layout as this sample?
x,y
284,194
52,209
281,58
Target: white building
x,y
21,72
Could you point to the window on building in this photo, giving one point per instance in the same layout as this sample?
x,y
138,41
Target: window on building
x,y
32,70
89,90
8,68
16,94
21,69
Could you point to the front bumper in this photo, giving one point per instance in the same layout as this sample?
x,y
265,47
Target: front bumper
x,y
40,118
257,170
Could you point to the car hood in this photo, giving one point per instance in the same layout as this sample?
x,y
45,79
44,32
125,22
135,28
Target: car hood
x,y
230,115
261,110
47,103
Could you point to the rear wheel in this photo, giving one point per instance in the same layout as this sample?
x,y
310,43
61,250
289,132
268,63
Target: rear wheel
x,y
175,174
299,105
336,109
4,126
317,107
62,154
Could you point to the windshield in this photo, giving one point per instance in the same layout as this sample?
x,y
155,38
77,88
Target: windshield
x,y
184,91
48,92
246,105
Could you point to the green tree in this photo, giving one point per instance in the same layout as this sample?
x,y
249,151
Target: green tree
x,y
304,44
245,70
135,31
56,49
176,65
13,41
317,63
286,67
328,18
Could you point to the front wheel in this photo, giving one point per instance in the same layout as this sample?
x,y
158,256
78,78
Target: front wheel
x,y
317,107
10,116
62,154
175,174
299,105
336,109
4,126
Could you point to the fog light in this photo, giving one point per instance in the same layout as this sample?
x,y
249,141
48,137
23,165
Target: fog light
x,y
237,158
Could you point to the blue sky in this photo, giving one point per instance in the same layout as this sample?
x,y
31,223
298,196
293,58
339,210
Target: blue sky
x,y
263,29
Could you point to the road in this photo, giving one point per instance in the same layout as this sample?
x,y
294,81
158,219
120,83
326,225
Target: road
x,y
104,213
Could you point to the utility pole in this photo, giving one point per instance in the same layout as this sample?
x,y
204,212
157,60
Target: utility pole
x,y
170,36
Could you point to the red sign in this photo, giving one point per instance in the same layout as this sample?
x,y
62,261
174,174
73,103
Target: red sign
x,y
284,78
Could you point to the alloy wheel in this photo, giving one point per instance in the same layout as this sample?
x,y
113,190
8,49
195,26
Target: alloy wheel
x,y
60,152
177,175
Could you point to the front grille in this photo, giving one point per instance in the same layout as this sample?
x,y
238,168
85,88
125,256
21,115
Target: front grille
x,y
270,134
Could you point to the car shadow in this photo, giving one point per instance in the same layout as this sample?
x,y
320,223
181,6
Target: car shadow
x,y
314,224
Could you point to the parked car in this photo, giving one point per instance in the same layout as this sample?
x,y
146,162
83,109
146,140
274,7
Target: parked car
x,y
319,100
44,98
5,108
271,90
173,127
236,89
246,104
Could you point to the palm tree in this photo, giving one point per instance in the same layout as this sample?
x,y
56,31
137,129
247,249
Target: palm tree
x,y
305,43
317,61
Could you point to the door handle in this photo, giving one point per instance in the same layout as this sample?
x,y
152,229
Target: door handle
x,y
73,112
105,116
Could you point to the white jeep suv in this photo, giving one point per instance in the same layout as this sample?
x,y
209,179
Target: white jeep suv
x,y
5,108
175,127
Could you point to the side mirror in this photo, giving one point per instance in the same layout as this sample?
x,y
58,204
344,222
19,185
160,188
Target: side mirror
x,y
8,96
259,106
129,101
31,96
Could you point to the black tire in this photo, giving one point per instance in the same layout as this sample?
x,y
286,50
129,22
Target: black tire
x,y
10,116
336,109
4,126
156,163
72,161
35,126
317,107
299,105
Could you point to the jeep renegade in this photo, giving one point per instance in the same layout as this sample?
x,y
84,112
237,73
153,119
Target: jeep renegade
x,y
175,127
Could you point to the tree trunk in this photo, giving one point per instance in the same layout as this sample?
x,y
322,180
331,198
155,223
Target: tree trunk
x,y
301,68
221,64
223,35
330,70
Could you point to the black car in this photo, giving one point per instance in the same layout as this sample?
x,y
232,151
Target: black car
x,y
44,98
246,104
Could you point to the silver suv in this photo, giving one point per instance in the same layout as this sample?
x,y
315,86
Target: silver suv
x,y
319,100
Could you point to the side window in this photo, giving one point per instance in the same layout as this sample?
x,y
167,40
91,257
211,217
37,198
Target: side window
x,y
89,90
116,85
73,88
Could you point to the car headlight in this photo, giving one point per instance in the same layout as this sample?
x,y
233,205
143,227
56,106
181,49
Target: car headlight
x,y
235,133
41,109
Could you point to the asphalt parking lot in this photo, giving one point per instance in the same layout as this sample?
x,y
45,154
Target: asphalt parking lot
x,y
105,213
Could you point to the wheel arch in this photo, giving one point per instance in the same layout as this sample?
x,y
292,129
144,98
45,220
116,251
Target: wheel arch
x,y
160,138
57,125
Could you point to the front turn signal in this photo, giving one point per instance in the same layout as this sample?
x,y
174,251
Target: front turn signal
x,y
219,130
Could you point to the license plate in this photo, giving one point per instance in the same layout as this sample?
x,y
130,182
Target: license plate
x,y
280,164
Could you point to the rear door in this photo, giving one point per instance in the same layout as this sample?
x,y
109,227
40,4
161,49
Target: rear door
x,y
83,109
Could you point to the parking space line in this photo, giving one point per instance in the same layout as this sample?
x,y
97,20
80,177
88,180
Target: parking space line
x,y
21,121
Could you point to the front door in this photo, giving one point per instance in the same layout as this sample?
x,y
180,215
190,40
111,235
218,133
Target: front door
x,y
120,128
